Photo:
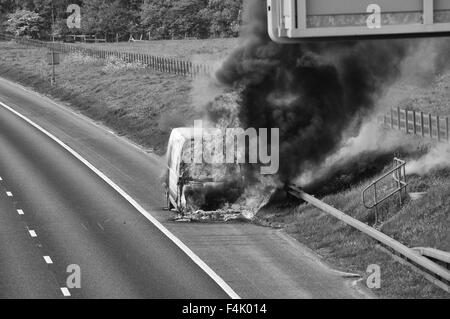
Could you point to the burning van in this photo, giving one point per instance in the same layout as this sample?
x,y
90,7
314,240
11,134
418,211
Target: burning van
x,y
192,185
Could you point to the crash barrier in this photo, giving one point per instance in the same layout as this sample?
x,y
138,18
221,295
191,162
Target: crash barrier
x,y
440,275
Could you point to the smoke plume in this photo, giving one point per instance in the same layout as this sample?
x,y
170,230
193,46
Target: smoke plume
x,y
373,141
437,158
311,92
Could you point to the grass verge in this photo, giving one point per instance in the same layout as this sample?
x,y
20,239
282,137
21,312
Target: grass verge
x,y
421,223
140,103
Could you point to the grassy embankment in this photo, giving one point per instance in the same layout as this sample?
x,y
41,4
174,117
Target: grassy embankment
x,y
421,223
195,50
140,103
143,105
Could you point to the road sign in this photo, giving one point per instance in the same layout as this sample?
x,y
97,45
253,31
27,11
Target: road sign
x,y
53,58
300,20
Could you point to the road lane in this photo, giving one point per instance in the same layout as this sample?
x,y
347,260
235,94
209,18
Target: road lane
x,y
24,273
80,220
257,262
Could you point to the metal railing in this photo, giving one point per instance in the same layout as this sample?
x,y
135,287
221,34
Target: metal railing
x,y
434,253
439,273
398,174
418,123
162,64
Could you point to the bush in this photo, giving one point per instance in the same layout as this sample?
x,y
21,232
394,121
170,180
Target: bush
x,y
24,23
115,64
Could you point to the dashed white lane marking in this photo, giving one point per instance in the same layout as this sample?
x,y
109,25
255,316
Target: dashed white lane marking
x,y
48,260
9,194
65,292
1,178
199,262
32,233
20,212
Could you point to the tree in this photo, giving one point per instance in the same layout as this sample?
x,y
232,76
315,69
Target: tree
x,y
7,6
52,12
174,18
224,17
187,19
153,17
108,17
162,18
24,23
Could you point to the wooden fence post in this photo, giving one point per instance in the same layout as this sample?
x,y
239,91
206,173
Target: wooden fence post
x,y
406,122
414,123
447,129
398,119
430,124
422,124
392,118
438,121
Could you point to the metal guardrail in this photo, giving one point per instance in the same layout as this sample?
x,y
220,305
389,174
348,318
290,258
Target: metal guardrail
x,y
439,272
162,64
439,255
399,176
418,123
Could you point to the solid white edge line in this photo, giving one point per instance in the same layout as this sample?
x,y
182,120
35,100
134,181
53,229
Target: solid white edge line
x,y
1,179
211,273
65,292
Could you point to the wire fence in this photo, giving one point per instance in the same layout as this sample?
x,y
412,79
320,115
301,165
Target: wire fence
x,y
162,64
418,123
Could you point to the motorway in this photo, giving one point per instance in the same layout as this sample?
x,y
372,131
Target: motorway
x,y
56,212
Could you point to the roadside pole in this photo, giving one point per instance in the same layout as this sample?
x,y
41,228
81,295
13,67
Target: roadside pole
x,y
53,66
53,79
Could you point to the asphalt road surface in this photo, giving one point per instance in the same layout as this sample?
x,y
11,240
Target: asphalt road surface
x,y
55,212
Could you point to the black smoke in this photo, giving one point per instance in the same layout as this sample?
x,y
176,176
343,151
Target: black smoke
x,y
312,92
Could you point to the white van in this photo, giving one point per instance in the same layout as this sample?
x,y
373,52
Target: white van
x,y
191,187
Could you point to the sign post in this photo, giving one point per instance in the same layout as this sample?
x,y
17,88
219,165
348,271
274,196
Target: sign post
x,y
53,58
